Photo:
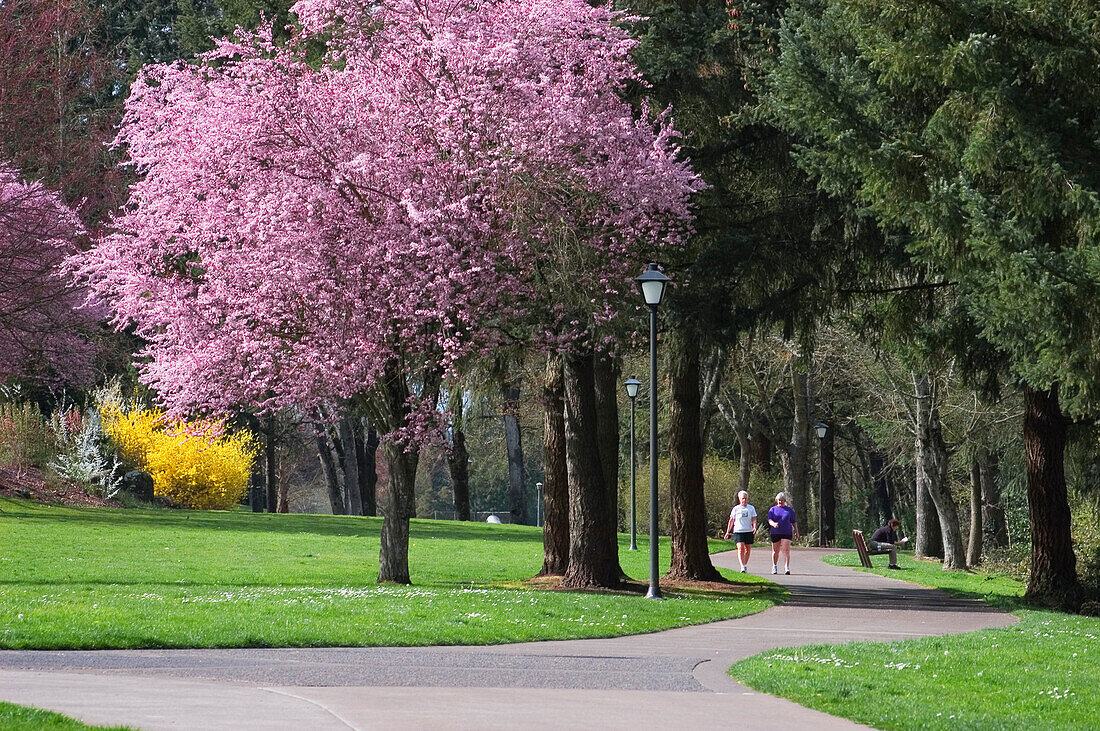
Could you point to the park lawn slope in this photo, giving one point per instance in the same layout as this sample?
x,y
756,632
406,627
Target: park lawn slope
x,y
1043,672
93,578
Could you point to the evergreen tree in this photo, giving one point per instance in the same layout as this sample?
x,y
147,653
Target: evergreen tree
x,y
973,126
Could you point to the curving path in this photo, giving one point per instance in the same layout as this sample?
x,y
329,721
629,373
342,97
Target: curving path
x,y
677,676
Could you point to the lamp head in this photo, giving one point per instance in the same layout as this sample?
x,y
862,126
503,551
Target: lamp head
x,y
632,385
652,284
822,429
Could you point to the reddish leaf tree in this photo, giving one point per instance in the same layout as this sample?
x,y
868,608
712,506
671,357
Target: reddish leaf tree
x,y
41,329
54,114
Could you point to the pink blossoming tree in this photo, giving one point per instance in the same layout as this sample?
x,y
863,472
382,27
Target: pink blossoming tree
x,y
42,331
356,228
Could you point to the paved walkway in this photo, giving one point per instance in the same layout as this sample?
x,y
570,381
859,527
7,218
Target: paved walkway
x,y
676,676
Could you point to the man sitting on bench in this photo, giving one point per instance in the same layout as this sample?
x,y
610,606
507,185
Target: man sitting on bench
x,y
885,540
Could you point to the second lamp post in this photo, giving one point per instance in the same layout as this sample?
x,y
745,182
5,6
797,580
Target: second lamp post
x,y
632,391
822,429
652,283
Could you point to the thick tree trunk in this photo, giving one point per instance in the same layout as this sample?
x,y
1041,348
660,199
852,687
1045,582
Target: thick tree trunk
x,y
368,470
606,371
713,371
994,524
931,463
761,447
688,534
351,465
555,488
593,549
828,485
459,460
1053,580
517,493
393,559
796,465
929,540
974,545
328,469
283,504
270,469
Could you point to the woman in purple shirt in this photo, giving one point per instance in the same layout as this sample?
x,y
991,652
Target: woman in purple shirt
x,y
784,528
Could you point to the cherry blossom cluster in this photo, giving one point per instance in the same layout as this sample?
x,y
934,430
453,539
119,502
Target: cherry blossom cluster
x,y
300,224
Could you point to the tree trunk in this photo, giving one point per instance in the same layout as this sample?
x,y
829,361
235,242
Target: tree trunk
x,y
459,460
974,545
351,466
517,493
270,469
593,550
688,534
744,467
993,514
283,503
328,469
713,372
882,487
931,463
828,484
368,470
761,447
555,488
796,464
1053,580
393,559
607,371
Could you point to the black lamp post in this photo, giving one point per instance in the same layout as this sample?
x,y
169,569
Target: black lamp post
x,y
822,429
538,505
632,391
652,284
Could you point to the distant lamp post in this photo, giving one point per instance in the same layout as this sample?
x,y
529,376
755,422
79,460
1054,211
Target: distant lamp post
x,y
652,285
632,391
822,429
538,505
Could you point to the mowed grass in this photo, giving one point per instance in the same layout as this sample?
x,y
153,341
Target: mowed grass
x,y
1043,672
22,718
96,578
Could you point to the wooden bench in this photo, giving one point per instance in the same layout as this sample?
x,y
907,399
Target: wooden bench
x,y
861,547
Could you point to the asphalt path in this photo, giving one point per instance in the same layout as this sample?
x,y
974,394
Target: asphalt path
x,y
673,677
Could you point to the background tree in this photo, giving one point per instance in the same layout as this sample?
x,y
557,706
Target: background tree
x,y
43,332
973,126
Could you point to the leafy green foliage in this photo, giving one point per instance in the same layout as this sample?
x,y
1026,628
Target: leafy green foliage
x,y
972,127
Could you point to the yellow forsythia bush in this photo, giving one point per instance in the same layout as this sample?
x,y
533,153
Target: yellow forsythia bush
x,y
194,463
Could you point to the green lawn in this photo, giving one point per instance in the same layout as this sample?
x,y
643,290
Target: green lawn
x,y
1043,672
21,718
98,578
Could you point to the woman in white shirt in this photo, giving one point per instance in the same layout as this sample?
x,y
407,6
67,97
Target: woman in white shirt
x,y
742,524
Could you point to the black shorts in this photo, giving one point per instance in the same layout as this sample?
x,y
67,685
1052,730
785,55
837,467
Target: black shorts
x,y
745,537
777,537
